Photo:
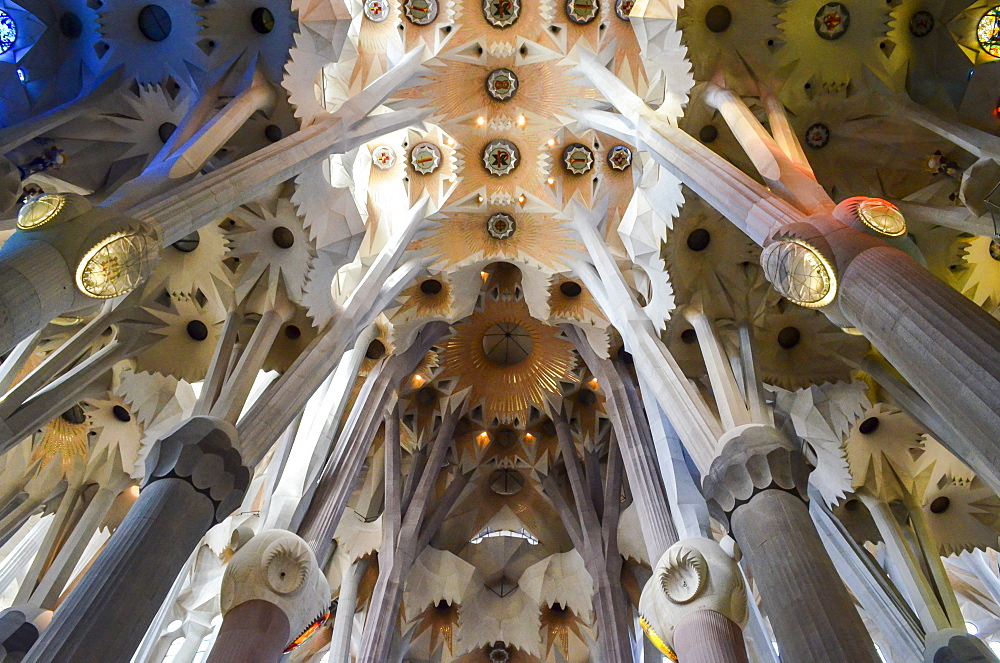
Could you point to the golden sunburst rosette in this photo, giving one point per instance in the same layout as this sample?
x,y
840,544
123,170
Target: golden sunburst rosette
x,y
508,359
66,437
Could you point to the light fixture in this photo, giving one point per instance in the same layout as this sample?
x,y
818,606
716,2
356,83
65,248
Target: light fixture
x,y
799,273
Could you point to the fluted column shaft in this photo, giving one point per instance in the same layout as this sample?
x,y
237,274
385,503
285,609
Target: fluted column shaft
x,y
196,480
943,344
758,487
708,637
343,622
253,632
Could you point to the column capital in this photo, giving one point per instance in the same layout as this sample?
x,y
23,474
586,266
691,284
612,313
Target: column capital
x,y
202,451
757,458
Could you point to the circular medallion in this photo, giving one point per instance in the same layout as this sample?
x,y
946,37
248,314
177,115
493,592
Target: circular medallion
x,y
582,12
501,13
384,157
817,136
425,158
799,273
114,267
832,21
623,8
377,10
420,12
921,23
499,654
500,157
620,157
502,84
8,31
507,343
501,226
578,158
988,32
995,250
39,210
882,217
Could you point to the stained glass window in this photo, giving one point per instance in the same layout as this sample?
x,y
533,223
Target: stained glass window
x,y
8,31
988,32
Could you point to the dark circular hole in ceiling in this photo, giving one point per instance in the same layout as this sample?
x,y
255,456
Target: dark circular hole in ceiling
x,y
197,330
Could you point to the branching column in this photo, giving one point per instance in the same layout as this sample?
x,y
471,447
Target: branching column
x,y
406,530
196,479
638,453
596,538
757,487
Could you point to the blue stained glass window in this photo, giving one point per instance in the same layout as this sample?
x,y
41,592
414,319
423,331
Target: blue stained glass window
x,y
8,31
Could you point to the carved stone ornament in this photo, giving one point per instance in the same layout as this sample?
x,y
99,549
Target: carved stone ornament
x,y
280,568
201,451
692,575
758,458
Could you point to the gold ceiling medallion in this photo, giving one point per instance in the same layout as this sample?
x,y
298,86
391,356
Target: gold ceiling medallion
x,y
620,157
425,158
507,359
501,13
817,136
420,12
115,266
377,10
579,159
502,84
582,12
623,8
501,226
799,273
832,21
384,157
500,157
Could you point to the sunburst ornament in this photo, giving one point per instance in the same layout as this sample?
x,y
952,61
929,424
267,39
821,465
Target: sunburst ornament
x,y
508,359
66,437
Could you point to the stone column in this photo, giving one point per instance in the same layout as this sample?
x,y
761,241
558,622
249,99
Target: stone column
x,y
196,479
343,623
695,603
708,637
757,488
253,632
194,635
273,593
